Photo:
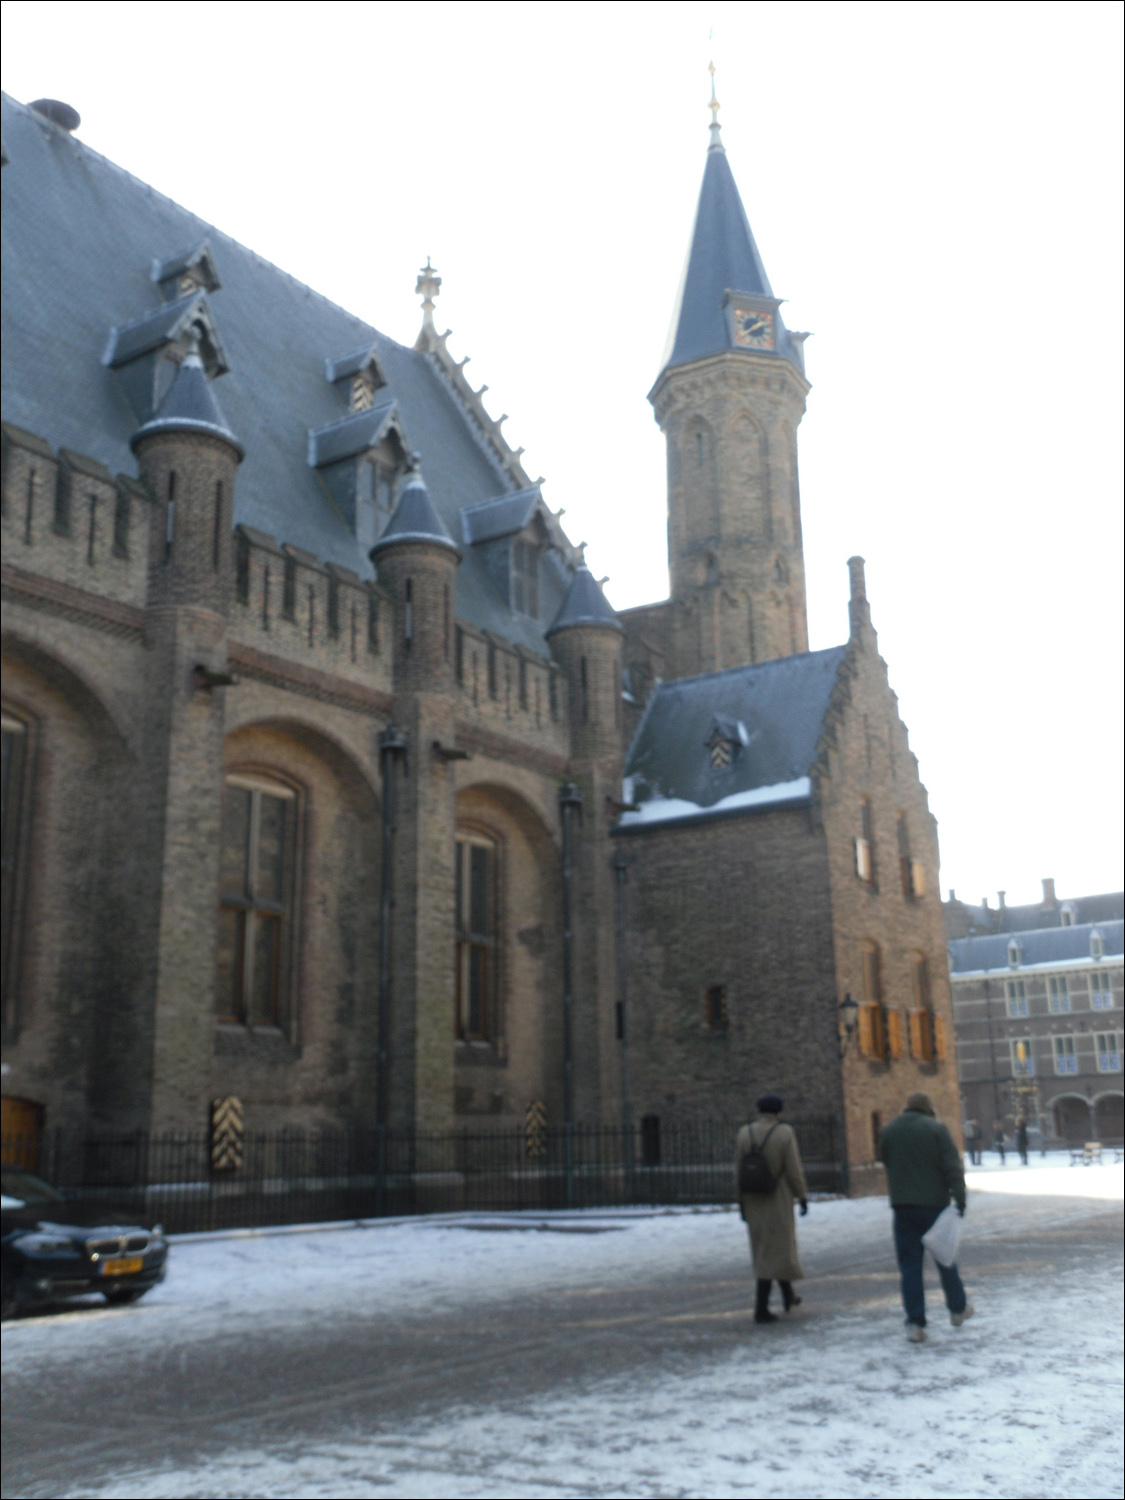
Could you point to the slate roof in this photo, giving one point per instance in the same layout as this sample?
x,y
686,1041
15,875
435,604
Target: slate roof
x,y
723,256
415,520
781,705
1043,946
80,237
989,919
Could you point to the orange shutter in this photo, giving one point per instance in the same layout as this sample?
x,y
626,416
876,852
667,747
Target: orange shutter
x,y
918,877
894,1033
940,1044
867,1030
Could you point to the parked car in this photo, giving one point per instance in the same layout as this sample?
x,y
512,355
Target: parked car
x,y
52,1248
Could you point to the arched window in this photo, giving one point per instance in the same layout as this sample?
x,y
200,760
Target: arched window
x,y
476,897
255,901
872,1020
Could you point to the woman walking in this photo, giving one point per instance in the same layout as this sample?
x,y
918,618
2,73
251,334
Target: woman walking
x,y
767,1167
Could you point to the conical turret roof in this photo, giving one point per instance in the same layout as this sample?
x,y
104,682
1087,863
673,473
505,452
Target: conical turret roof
x,y
415,520
723,257
190,406
585,604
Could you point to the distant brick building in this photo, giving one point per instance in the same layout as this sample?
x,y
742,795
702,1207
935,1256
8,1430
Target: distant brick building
x,y
1037,999
315,724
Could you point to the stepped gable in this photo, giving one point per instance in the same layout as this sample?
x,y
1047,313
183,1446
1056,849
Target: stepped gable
x,y
771,716
82,265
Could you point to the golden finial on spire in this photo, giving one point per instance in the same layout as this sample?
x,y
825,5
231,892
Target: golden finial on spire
x,y
713,106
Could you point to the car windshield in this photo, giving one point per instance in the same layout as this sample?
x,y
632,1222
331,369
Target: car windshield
x,y
26,1187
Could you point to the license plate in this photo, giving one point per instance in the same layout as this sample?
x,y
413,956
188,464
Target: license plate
x,y
126,1266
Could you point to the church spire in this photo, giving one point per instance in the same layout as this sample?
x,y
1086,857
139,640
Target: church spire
x,y
722,258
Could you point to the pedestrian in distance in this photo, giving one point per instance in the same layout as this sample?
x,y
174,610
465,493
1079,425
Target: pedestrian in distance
x,y
1021,1139
974,1135
769,1176
998,1142
923,1172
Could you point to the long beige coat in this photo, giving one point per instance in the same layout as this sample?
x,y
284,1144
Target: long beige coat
x,y
773,1234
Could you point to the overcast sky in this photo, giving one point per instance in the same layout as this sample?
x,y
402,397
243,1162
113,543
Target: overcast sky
x,y
936,190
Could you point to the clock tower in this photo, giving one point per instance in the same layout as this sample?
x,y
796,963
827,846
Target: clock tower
x,y
729,400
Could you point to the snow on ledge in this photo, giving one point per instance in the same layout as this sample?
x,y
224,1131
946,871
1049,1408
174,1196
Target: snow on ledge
x,y
673,809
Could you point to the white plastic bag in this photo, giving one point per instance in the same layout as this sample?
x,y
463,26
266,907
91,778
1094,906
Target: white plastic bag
x,y
943,1236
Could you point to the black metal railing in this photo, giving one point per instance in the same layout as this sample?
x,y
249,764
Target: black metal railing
x,y
297,1176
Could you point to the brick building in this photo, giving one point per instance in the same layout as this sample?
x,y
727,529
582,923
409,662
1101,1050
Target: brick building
x,y
316,725
1037,998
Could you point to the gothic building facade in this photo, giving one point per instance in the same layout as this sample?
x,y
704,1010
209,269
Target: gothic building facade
x,y
332,782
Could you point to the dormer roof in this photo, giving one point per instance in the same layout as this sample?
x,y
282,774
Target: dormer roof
x,y
187,271
355,433
186,317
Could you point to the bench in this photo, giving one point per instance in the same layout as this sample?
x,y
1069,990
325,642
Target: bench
x,y
1085,1156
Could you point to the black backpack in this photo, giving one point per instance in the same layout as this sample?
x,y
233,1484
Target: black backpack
x,y
754,1175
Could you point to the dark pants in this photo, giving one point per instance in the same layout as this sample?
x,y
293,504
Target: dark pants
x,y
763,1303
911,1222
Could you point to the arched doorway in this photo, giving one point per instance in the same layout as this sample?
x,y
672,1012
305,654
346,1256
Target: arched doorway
x,y
21,1128
1072,1119
1109,1119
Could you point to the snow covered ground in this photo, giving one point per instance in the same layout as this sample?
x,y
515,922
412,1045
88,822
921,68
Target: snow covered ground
x,y
1024,1400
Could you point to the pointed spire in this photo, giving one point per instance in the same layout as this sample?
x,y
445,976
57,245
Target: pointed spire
x,y
190,405
716,128
415,519
427,287
585,604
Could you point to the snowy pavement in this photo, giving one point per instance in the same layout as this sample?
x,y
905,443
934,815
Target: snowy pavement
x,y
592,1355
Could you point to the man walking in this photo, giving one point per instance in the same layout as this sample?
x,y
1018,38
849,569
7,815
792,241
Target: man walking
x,y
923,1172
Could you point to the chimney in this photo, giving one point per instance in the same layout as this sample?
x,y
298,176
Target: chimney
x,y
984,902
1000,898
1049,897
859,611
64,115
952,894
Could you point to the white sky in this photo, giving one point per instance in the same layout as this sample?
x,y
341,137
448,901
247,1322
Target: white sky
x,y
935,187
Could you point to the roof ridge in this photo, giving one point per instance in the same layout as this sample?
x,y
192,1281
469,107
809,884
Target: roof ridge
x,y
750,666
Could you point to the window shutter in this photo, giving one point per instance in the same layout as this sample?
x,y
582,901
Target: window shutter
x,y
917,878
894,1033
918,1047
940,1045
867,1030
863,859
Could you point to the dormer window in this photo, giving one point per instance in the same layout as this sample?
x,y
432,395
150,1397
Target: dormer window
x,y
1097,945
1066,915
1014,955
357,378
727,738
363,392
190,271
525,578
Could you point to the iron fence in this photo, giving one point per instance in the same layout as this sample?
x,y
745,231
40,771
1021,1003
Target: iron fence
x,y
299,1176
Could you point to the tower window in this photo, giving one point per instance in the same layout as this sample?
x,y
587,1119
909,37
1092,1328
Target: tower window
x,y
715,1008
289,589
255,901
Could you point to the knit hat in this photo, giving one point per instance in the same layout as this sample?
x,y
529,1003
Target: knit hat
x,y
770,1104
922,1103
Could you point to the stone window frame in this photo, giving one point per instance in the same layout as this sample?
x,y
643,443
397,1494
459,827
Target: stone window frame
x,y
17,836
1064,1050
269,781
490,1041
1059,999
1101,990
1026,1068
1107,1051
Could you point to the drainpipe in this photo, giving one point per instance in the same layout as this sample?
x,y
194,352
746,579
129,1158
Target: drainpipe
x,y
621,871
392,743
570,802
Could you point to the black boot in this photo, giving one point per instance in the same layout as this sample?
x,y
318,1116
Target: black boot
x,y
762,1312
789,1296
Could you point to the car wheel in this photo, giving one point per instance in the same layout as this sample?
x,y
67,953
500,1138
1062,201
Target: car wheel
x,y
124,1295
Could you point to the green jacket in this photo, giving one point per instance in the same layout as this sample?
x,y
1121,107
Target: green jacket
x,y
923,1163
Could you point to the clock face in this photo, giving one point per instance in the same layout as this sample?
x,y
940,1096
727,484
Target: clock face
x,y
753,329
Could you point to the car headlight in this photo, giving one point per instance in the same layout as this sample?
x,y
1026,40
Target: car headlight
x,y
46,1244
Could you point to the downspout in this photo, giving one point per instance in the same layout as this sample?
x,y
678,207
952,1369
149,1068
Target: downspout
x,y
621,871
392,743
570,801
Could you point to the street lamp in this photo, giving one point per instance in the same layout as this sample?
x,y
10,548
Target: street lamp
x,y
849,1014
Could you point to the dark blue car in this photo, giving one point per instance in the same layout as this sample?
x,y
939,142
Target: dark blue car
x,y
52,1248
